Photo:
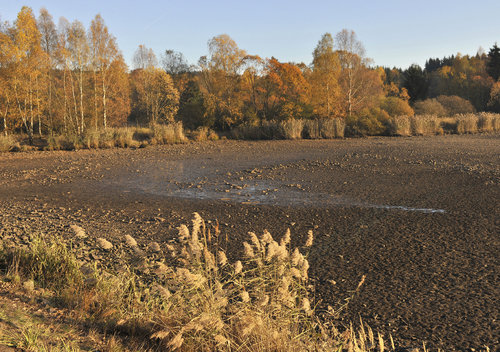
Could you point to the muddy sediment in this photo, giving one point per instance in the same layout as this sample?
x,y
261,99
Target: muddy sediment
x,y
418,216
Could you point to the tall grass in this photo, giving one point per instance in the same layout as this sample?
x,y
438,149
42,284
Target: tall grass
x,y
292,129
122,137
8,143
200,301
426,125
488,122
204,133
400,126
432,124
467,123
168,134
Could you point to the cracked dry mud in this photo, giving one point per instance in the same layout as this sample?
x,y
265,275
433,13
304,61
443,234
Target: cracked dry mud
x,y
418,216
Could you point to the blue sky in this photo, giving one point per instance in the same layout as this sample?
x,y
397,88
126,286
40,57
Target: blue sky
x,y
394,33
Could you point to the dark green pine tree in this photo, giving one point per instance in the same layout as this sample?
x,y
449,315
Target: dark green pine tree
x,y
192,107
493,66
415,81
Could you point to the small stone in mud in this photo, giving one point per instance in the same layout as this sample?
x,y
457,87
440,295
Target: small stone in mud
x,y
78,231
29,285
138,252
154,247
160,269
130,241
104,244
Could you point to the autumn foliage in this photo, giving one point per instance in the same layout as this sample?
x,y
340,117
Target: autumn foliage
x,y
72,80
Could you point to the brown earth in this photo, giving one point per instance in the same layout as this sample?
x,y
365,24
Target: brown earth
x,y
418,216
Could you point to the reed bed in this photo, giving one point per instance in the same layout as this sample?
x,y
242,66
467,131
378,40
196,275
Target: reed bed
x,y
199,300
420,125
292,129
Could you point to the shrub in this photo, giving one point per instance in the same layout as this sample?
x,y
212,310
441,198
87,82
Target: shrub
x,y
65,142
265,130
124,137
369,122
455,105
142,134
324,128
396,107
429,107
332,128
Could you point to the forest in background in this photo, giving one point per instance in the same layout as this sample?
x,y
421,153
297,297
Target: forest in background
x,y
69,79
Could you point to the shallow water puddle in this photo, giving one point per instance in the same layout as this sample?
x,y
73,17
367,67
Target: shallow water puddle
x,y
257,192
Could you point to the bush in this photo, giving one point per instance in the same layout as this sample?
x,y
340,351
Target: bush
x,y
369,122
124,137
396,107
455,105
311,129
65,142
429,107
265,130
332,128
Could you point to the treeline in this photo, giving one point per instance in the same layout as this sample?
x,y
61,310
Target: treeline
x,y
68,79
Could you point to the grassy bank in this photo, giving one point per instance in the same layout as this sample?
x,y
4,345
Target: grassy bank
x,y
139,137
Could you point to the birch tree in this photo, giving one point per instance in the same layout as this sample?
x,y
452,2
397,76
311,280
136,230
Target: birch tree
x,y
326,93
360,85
105,51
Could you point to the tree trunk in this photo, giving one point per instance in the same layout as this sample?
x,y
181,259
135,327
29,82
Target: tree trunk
x,y
31,110
82,123
49,110
95,101
105,122
75,106
38,108
65,104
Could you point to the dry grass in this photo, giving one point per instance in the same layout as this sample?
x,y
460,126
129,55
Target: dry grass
x,y
292,129
168,134
121,137
204,134
488,122
400,126
458,124
426,125
8,143
324,128
467,123
199,301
